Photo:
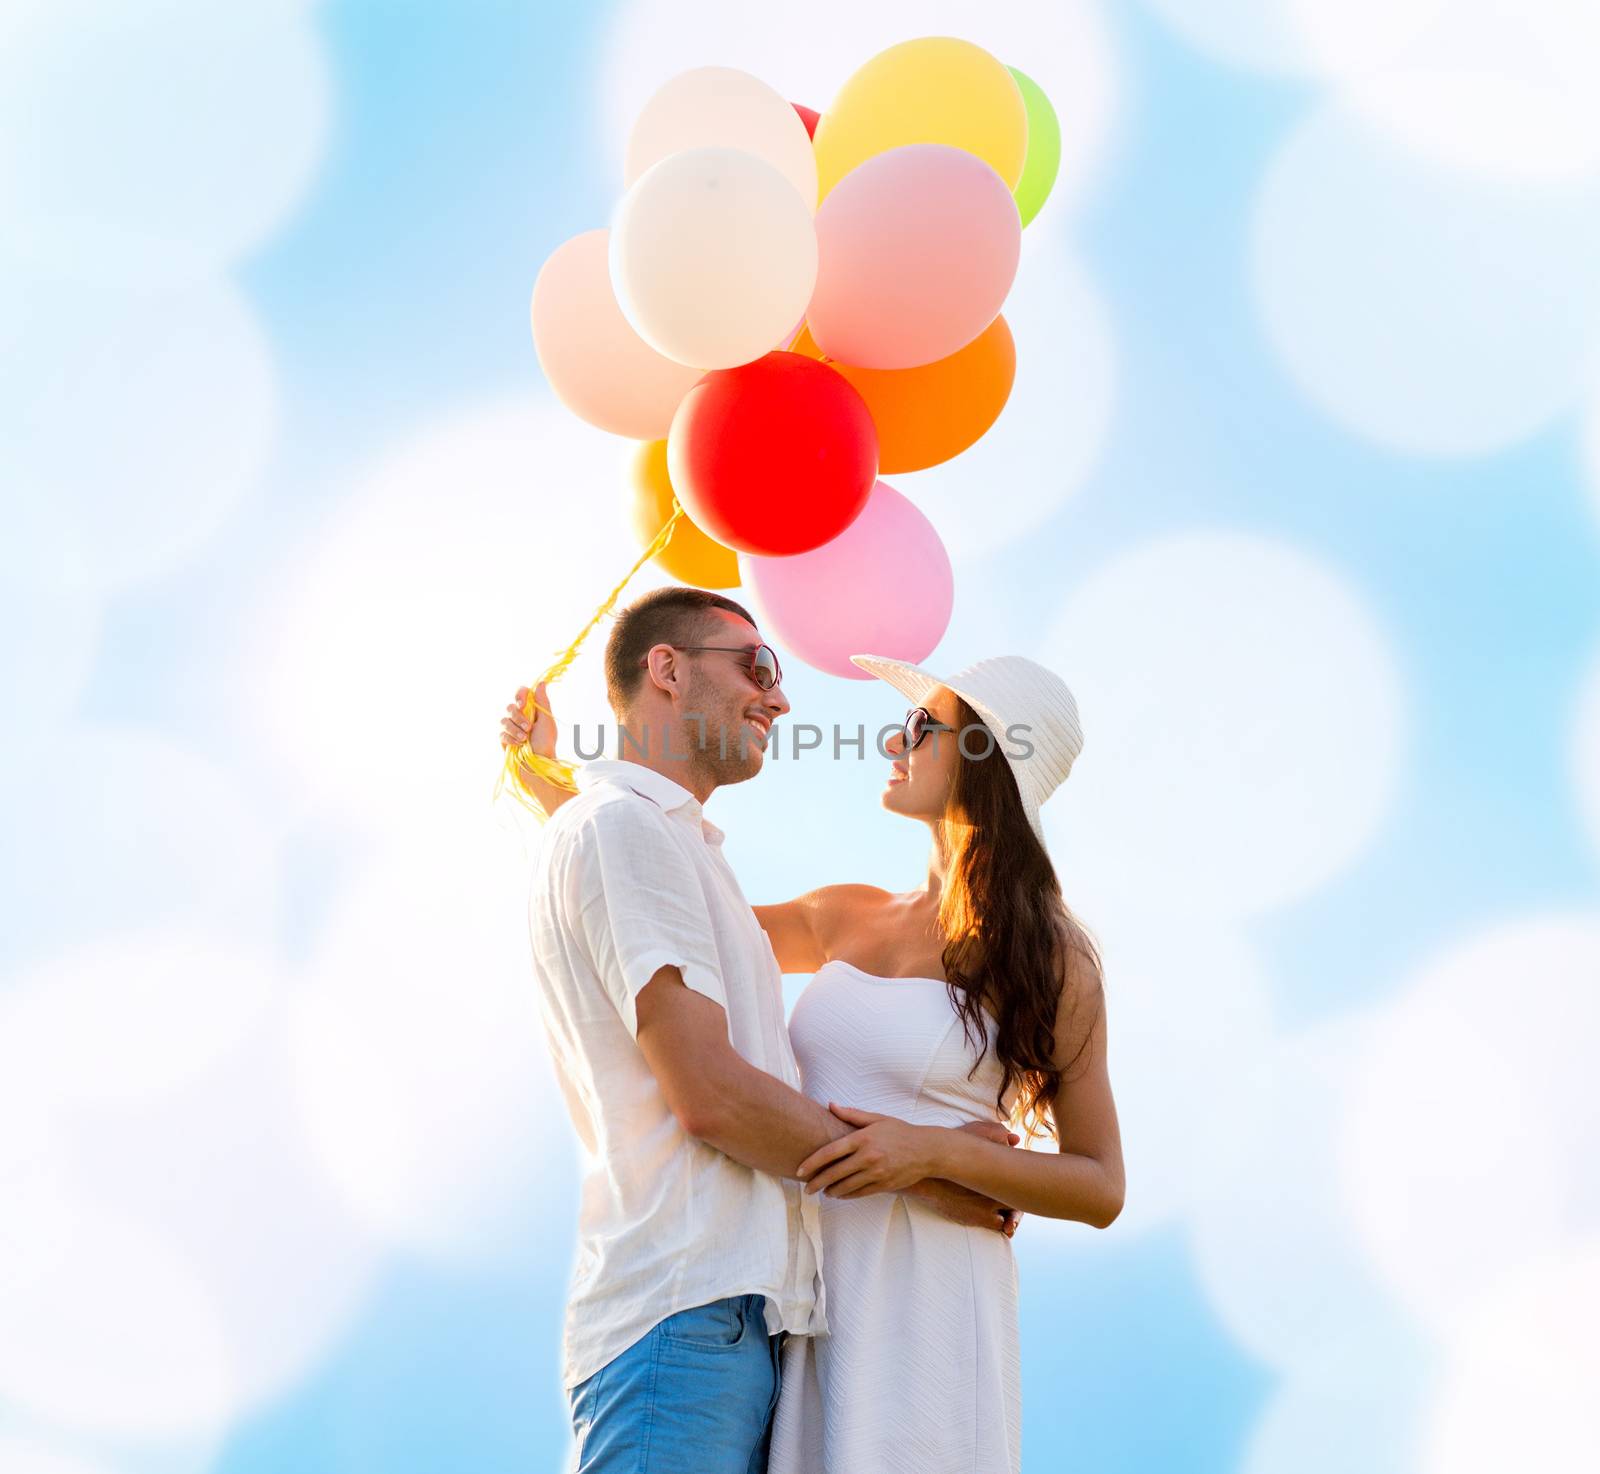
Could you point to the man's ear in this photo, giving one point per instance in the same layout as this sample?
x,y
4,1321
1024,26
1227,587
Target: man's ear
x,y
662,668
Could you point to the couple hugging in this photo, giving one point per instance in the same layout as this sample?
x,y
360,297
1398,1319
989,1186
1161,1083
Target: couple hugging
x,y
794,1243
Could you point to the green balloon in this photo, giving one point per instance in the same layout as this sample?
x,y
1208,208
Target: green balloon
x,y
1043,158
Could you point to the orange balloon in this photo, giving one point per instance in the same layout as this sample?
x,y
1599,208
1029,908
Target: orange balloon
x,y
691,556
928,414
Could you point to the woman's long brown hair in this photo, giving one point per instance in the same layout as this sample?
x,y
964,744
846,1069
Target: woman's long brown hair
x,y
1008,932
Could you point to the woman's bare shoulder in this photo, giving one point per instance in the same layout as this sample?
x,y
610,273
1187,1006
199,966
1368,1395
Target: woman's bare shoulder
x,y
833,906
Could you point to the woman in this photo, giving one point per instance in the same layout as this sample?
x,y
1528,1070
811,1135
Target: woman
x,y
975,997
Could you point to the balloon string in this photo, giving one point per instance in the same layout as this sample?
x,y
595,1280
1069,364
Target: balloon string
x,y
553,770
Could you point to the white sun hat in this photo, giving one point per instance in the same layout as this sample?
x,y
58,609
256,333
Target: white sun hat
x,y
1020,702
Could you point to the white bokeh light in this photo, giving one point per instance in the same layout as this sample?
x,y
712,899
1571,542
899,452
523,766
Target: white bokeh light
x,y
1591,448
223,1165
456,570
1315,37
1585,751
1275,1255
47,645
134,417
1049,437
1431,311
172,1257
1243,725
22,1455
139,143
1519,1383
117,827
1508,88
1505,87
1186,1004
1062,44
128,1016
421,1065
1353,1403
1472,1127
103,1326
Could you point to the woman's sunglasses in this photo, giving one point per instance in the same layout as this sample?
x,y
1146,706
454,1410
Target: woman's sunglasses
x,y
764,668
919,722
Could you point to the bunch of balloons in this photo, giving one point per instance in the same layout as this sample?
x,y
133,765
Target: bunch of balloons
x,y
788,306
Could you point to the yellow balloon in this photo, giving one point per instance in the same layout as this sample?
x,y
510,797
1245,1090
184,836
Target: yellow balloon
x,y
690,556
933,90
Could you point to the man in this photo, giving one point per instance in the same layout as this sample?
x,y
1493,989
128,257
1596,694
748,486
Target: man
x,y
663,1009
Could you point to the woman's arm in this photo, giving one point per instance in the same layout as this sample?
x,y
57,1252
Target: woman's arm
x,y
1083,1180
540,733
790,928
802,931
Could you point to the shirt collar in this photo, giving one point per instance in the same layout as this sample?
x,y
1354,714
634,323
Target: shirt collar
x,y
668,794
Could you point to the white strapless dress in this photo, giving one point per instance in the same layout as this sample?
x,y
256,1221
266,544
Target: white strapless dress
x,y
921,1373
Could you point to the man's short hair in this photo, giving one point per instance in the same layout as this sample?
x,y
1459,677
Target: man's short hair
x,y
673,615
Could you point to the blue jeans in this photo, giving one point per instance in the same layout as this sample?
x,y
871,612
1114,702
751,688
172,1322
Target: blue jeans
x,y
694,1395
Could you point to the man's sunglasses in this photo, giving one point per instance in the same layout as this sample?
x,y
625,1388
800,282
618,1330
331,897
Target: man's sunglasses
x,y
764,668
919,722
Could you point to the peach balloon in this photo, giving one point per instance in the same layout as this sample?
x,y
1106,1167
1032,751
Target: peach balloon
x,y
916,250
931,414
713,256
689,556
724,107
601,369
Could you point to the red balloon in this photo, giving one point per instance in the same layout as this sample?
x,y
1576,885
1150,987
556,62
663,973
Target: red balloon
x,y
808,117
774,457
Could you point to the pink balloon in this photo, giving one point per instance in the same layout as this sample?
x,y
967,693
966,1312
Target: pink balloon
x,y
916,250
884,585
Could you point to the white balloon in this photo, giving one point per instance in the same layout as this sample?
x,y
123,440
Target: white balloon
x,y
722,107
713,257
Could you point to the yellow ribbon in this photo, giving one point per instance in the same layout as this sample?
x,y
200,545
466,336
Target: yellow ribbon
x,y
554,770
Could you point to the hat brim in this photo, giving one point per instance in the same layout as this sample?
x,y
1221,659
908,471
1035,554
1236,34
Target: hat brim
x,y
917,684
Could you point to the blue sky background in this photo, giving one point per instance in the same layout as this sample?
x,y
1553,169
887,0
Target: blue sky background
x,y
1337,820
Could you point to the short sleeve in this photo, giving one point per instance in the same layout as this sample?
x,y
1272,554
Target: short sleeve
x,y
638,905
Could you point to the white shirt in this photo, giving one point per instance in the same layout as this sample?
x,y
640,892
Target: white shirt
x,y
630,877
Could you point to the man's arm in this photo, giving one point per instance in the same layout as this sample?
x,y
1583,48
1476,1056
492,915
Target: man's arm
x,y
539,732
717,1095
720,1098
